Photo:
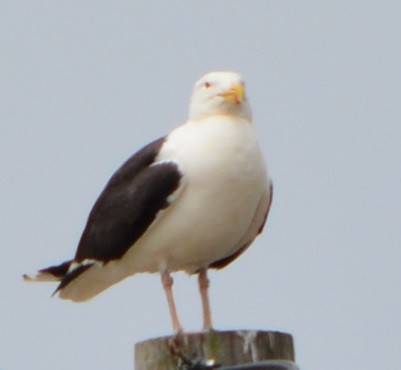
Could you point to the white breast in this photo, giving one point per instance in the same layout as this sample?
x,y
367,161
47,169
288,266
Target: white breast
x,y
224,179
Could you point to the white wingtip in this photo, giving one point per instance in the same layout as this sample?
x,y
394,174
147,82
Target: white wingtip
x,y
39,277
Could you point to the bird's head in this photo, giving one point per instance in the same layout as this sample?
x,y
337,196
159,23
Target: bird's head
x,y
219,93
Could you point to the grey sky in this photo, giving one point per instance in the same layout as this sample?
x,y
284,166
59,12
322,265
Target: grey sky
x,y
85,84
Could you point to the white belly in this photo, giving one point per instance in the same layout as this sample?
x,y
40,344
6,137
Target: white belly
x,y
224,179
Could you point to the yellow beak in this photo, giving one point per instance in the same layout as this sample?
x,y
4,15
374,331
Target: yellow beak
x,y
235,94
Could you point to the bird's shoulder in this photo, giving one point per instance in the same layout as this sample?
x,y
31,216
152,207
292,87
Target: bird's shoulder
x,y
140,160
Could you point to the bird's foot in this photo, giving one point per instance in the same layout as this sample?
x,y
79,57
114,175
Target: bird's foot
x,y
177,347
207,329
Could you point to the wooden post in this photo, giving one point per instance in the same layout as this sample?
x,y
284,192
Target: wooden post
x,y
211,350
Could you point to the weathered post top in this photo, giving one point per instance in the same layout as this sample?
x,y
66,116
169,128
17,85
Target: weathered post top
x,y
213,350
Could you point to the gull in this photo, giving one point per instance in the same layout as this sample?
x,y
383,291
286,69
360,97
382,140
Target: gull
x,y
190,201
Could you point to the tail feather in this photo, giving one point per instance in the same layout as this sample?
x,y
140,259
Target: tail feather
x,y
80,281
73,274
52,273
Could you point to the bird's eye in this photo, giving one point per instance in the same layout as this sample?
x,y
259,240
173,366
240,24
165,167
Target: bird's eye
x,y
207,85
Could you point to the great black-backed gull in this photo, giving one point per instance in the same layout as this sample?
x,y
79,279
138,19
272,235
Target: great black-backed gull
x,y
192,200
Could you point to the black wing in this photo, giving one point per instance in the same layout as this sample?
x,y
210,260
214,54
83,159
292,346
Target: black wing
x,y
128,205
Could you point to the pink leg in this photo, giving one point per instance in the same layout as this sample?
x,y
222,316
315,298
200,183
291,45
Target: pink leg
x,y
167,281
203,287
